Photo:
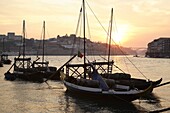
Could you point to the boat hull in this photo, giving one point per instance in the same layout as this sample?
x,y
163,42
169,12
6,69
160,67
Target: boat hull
x,y
50,73
10,76
98,94
33,77
7,61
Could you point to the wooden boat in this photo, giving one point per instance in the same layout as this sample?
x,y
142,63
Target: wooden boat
x,y
99,93
122,78
84,80
49,72
92,88
5,59
22,67
24,71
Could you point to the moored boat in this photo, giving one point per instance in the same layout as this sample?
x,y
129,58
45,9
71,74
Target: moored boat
x,y
5,59
23,70
83,79
22,67
100,88
49,72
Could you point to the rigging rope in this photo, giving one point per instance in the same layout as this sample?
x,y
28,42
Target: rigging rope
x,y
74,41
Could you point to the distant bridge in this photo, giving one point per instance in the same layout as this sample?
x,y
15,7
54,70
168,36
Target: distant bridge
x,y
138,48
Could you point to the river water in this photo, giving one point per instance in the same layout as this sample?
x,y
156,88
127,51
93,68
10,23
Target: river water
x,y
26,97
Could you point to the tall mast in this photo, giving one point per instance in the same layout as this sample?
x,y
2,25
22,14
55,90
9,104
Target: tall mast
x,y
23,38
23,42
110,36
84,32
43,40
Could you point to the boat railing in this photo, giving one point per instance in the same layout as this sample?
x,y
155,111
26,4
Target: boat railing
x,y
76,69
22,63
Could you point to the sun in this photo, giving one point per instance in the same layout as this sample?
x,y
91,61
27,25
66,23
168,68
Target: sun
x,y
120,33
118,37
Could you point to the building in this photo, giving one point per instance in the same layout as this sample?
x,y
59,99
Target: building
x,y
2,37
159,48
11,35
17,37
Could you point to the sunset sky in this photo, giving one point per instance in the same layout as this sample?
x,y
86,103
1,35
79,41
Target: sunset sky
x,y
136,22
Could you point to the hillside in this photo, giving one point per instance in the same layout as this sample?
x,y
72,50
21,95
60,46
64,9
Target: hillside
x,y
63,45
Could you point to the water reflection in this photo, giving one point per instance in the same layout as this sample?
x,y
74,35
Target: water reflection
x,y
84,105
152,100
